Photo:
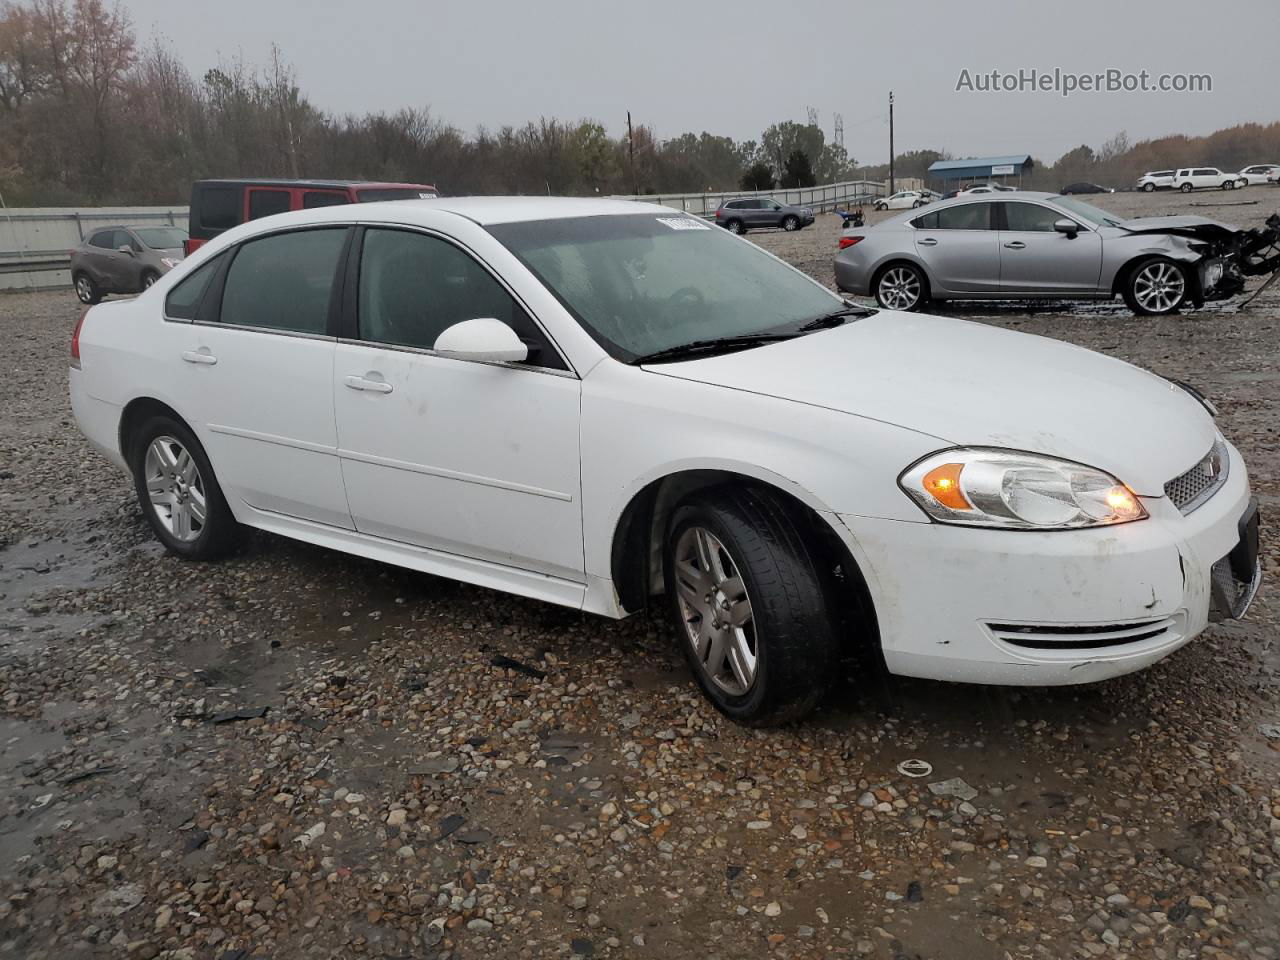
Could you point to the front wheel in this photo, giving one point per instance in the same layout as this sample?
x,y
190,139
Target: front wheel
x,y
178,492
1155,287
1229,185
901,287
1186,188
750,608
881,206
149,278
790,224
1148,187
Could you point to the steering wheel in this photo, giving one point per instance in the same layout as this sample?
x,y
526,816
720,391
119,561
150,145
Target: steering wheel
x,y
691,293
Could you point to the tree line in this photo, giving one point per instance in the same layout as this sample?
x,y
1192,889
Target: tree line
x,y
88,115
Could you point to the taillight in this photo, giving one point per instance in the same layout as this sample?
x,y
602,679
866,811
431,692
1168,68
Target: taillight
x,y
75,341
847,242
719,214
186,247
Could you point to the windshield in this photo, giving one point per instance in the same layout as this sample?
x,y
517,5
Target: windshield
x,y
395,193
1087,211
161,238
644,283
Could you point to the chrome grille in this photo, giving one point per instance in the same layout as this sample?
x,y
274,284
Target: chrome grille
x,y
1189,490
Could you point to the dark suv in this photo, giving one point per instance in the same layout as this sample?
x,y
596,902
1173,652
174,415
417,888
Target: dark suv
x,y
739,216
218,205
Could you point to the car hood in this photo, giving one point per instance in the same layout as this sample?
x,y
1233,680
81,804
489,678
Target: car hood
x,y
970,384
1197,228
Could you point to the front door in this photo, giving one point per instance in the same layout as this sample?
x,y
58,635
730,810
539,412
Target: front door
x,y
960,247
1036,259
478,460
259,370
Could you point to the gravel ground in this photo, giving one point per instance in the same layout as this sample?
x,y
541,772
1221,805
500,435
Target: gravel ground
x,y
403,796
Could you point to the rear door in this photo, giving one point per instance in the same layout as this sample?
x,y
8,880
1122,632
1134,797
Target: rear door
x,y
259,373
1035,259
266,202
960,247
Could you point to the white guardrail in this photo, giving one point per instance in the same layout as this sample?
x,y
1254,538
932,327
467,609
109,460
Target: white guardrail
x,y
36,242
822,199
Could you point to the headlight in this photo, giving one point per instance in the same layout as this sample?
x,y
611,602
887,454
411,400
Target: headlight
x,y
170,262
983,487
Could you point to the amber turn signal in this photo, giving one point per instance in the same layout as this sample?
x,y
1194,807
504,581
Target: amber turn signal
x,y
943,484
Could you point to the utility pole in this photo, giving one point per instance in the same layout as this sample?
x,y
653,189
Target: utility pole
x,y
631,149
892,188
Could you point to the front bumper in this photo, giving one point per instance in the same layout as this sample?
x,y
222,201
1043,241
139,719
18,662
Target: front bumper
x,y
1053,608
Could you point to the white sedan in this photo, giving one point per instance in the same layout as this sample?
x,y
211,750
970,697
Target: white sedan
x,y
902,200
607,405
1257,174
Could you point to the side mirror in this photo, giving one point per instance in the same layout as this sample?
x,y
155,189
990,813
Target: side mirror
x,y
484,338
1069,227
125,248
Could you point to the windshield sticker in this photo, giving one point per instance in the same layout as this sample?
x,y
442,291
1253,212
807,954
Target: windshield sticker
x,y
683,223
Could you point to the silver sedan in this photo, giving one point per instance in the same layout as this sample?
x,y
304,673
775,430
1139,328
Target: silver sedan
x,y
1020,245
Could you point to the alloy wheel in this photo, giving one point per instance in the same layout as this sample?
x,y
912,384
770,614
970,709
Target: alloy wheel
x,y
1159,287
149,280
175,489
899,288
84,289
716,611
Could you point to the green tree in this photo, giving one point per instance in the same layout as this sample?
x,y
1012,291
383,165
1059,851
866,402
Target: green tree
x,y
759,176
798,172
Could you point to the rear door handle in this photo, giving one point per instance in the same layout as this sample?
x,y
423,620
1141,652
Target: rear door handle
x,y
199,356
372,386
928,242
1016,245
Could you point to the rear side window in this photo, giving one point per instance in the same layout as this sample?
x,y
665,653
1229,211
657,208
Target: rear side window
x,y
322,198
968,216
413,287
928,222
219,207
266,203
284,282
184,299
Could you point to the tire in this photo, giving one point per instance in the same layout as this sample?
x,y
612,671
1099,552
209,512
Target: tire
x,y
901,286
86,290
1148,188
148,279
880,206
186,474
1138,290
1186,188
788,626
915,205
790,224
735,226
1229,185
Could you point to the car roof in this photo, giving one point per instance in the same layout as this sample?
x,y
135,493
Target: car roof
x,y
487,211
966,198
305,184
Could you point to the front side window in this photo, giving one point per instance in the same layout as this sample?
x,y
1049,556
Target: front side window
x,y
414,286
184,299
322,198
284,281
123,239
102,239
643,283
162,238
1030,217
967,216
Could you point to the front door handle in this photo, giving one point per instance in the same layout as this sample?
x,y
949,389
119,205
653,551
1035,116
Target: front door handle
x,y
1016,245
928,242
199,356
372,386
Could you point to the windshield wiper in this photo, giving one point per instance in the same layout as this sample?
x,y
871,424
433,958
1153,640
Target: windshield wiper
x,y
716,345
835,318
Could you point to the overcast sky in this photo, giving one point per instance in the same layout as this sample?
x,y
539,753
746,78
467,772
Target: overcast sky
x,y
734,66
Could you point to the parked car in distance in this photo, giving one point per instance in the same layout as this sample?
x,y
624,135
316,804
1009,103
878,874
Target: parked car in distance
x,y
124,259
902,200
218,205
1033,245
1203,178
1258,173
986,188
715,432
1085,187
1155,180
752,213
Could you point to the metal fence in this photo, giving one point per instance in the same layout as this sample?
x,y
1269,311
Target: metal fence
x,y
822,199
36,242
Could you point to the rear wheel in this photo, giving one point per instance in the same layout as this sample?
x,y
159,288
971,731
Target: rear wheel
x,y
790,223
86,289
750,607
1155,287
901,286
178,492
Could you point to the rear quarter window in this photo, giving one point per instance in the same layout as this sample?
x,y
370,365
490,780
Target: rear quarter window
x,y
184,299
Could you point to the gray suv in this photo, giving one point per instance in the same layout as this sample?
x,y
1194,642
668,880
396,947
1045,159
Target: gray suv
x,y
124,260
739,216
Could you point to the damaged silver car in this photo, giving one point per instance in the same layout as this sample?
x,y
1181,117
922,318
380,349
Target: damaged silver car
x,y
1025,245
